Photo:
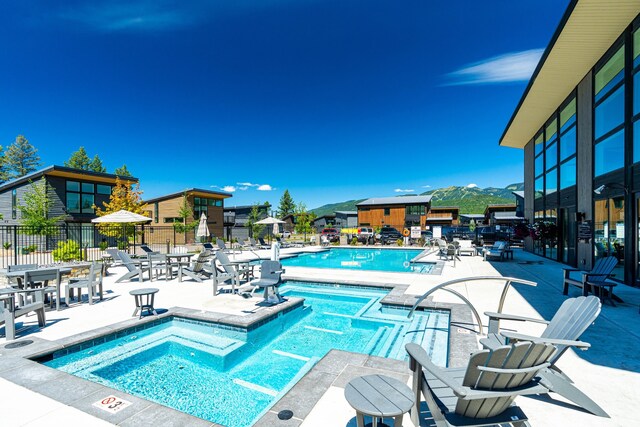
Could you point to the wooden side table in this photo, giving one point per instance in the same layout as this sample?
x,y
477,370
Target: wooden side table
x,y
600,285
379,396
144,300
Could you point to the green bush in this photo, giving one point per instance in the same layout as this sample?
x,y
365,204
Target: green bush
x,y
336,243
400,242
7,245
354,241
67,251
32,248
103,245
123,245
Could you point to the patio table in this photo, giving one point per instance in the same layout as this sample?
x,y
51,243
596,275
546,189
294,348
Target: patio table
x,y
178,262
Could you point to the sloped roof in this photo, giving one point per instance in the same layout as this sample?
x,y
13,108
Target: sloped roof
x,y
408,200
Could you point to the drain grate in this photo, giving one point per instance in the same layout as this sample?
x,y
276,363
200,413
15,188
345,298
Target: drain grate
x,y
18,344
285,414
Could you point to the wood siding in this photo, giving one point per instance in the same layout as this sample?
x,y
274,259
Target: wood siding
x,y
374,216
169,208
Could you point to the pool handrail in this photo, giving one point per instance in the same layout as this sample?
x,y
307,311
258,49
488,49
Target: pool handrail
x,y
503,296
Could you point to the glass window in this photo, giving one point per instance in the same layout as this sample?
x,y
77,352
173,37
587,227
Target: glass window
x,y
88,188
212,202
73,203
14,204
636,142
387,211
609,154
552,156
551,130
539,187
568,144
538,144
87,203
539,167
568,173
636,93
155,213
636,48
219,203
610,113
196,201
73,186
551,182
568,115
103,189
610,74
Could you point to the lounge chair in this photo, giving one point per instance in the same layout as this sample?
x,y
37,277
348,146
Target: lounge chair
x,y
495,251
224,270
324,240
146,249
254,244
134,268
93,283
483,392
270,278
10,311
283,243
223,247
466,247
264,244
196,270
209,246
573,317
601,271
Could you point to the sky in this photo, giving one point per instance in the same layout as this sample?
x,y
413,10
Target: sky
x,y
332,100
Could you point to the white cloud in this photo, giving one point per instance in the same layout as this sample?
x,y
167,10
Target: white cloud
x,y
400,190
471,185
242,188
247,184
265,187
229,188
426,186
510,67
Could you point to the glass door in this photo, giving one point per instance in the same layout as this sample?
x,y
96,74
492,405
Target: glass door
x,y
568,235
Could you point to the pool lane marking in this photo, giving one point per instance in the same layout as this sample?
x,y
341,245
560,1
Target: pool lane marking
x,y
291,355
330,331
255,387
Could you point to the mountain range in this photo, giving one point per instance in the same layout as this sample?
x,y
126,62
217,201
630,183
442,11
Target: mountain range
x,y
471,199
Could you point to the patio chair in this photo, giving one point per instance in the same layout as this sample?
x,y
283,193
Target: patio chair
x,y
573,317
495,251
35,279
483,392
466,247
93,284
256,245
197,270
223,247
264,244
600,272
146,249
225,271
19,267
270,278
10,311
324,240
134,268
158,264
283,243
112,260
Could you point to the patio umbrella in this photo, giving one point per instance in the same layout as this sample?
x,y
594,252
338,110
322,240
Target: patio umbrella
x,y
270,221
203,228
121,217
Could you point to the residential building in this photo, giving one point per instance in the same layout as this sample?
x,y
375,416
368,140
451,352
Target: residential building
x,y
519,203
324,221
578,123
165,210
501,214
236,219
465,219
346,219
447,216
398,212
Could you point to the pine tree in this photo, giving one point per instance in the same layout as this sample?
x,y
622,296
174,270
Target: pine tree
x,y
3,171
21,158
287,206
122,171
96,165
124,196
79,160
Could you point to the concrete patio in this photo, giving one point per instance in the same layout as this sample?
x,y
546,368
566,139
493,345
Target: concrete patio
x,y
609,372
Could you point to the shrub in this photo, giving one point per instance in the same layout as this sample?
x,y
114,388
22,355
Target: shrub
x,y
336,243
123,245
354,241
7,245
103,245
67,251
400,242
32,248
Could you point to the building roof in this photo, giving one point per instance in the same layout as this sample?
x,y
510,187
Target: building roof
x,y
503,215
231,208
65,172
441,218
518,194
445,207
406,200
327,216
198,192
347,212
473,216
587,30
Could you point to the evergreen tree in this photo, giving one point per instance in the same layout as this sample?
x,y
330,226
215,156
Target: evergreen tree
x,y
122,171
96,165
21,158
255,216
35,211
287,206
3,172
79,160
123,196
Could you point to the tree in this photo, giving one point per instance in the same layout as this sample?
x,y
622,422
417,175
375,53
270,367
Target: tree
x,y
254,216
303,220
123,196
185,211
3,171
79,160
96,165
287,207
122,171
35,210
21,158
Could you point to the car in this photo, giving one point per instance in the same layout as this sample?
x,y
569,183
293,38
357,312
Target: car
x,y
388,234
285,234
332,234
365,234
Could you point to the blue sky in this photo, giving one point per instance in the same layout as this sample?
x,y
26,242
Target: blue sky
x,y
333,100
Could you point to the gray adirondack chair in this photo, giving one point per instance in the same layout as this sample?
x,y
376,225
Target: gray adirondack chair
x,y
483,392
93,284
224,270
573,317
197,270
223,247
495,251
600,272
9,311
134,268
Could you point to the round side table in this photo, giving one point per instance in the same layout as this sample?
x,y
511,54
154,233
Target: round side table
x,y
144,300
379,396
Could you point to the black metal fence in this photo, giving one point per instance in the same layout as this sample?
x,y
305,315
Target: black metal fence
x,y
26,245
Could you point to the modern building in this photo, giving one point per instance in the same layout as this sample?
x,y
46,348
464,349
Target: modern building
x,y
398,212
324,221
519,203
502,214
447,216
236,219
346,219
578,124
164,210
465,219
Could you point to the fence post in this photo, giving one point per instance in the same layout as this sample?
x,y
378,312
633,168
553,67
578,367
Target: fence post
x,y
174,238
15,245
168,251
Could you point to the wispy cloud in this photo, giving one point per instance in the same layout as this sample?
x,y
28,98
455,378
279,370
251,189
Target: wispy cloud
x,y
471,185
401,190
426,186
265,187
247,184
507,68
243,188
130,15
227,188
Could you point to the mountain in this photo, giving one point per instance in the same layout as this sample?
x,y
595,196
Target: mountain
x,y
469,199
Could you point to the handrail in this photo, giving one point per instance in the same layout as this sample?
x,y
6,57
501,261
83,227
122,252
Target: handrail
x,y
503,296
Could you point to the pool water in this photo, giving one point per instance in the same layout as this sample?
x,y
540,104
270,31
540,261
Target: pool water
x,y
230,376
393,260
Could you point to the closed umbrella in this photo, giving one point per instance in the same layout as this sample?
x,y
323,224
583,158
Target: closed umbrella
x,y
203,228
270,221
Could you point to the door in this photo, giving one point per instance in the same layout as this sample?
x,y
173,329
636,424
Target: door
x,y
568,234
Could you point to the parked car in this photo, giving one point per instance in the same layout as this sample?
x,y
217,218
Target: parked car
x,y
388,234
332,234
285,234
365,234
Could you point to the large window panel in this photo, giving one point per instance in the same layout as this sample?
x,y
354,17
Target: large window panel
x,y
568,144
568,173
539,146
636,48
539,188
636,141
610,74
551,130
73,202
551,183
551,154
609,154
568,115
539,166
610,113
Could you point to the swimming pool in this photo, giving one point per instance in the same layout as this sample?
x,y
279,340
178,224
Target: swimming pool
x,y
394,260
212,371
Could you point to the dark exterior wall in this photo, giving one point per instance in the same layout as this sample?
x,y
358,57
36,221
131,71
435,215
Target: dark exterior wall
x,y
584,148
529,189
6,207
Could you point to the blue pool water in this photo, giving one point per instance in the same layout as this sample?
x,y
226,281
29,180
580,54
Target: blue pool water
x,y
395,260
231,376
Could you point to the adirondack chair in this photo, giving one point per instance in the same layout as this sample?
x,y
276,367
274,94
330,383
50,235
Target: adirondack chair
x,y
223,247
483,392
224,270
600,272
134,268
197,270
495,251
9,311
573,317
93,283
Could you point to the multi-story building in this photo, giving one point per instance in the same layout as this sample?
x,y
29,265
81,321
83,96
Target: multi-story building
x,y
447,216
398,212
